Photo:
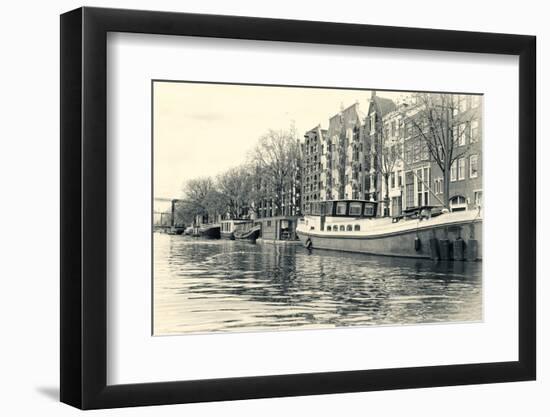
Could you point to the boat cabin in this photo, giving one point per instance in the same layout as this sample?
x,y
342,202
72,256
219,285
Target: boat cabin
x,y
343,208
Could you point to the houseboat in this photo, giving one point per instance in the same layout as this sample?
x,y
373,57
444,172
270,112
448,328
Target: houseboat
x,y
210,230
248,233
420,232
228,228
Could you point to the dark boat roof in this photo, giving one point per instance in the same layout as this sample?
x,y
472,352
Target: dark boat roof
x,y
348,200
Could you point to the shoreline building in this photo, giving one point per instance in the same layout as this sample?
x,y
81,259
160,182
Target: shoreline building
x,y
378,133
417,178
344,151
314,178
388,155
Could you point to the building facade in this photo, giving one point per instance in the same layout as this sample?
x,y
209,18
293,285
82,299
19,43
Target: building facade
x,y
383,156
313,167
344,153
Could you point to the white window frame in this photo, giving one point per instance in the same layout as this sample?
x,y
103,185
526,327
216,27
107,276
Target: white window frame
x,y
476,157
462,134
476,193
461,173
474,138
454,168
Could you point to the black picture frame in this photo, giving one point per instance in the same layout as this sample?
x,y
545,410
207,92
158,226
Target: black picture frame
x,y
84,207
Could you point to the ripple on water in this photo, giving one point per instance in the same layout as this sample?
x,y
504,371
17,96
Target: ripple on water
x,y
222,285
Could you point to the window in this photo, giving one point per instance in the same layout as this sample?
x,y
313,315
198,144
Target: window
x,y
269,223
341,209
342,228
356,228
474,169
453,171
478,198
462,134
348,228
474,131
438,185
408,152
329,228
355,209
461,168
393,180
459,134
424,151
458,203
369,210
419,187
426,179
463,103
408,129
409,189
399,179
416,148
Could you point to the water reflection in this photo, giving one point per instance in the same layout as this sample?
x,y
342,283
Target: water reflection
x,y
219,285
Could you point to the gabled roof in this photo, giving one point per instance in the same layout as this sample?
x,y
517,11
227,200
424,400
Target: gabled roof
x,y
384,105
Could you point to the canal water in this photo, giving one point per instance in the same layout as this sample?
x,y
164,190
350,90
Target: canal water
x,y
220,285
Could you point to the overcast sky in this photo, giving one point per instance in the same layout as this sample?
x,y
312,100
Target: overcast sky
x,y
204,129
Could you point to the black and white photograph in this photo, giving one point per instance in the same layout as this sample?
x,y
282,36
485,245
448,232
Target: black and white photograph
x,y
270,209
288,208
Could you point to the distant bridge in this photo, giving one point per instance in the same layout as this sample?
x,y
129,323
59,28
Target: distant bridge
x,y
168,220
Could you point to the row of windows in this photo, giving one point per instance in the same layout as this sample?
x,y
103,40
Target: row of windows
x,y
342,228
415,151
458,168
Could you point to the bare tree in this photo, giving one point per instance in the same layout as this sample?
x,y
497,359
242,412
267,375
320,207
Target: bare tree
x,y
235,187
440,123
388,154
276,157
196,191
215,204
184,212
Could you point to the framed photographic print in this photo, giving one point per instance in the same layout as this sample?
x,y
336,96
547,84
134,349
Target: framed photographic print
x,y
257,207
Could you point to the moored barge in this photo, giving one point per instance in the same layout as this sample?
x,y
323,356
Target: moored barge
x,y
424,232
250,234
229,228
210,230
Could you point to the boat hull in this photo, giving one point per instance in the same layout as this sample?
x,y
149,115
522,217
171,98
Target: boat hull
x,y
212,232
408,243
250,235
227,235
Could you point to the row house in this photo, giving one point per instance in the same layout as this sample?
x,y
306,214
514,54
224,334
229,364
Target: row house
x,y
344,154
466,185
349,159
381,116
313,167
417,179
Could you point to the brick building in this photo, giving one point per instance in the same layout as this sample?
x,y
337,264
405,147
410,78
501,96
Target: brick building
x,y
344,153
344,161
417,179
313,162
